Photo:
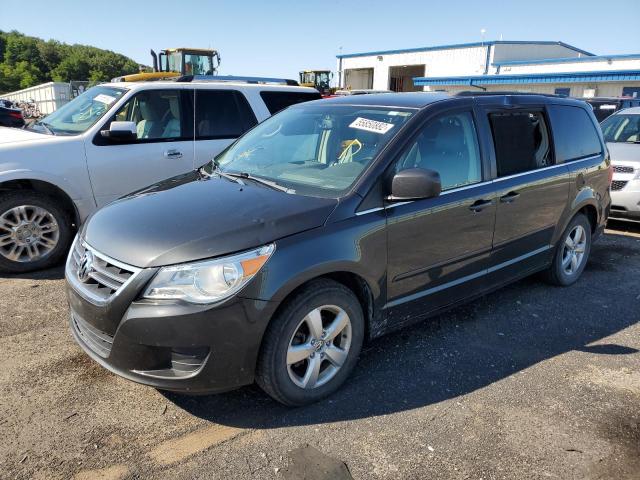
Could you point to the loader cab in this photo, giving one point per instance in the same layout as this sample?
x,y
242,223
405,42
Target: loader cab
x,y
318,79
189,61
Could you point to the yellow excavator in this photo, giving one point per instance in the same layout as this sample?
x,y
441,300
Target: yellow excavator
x,y
175,62
318,79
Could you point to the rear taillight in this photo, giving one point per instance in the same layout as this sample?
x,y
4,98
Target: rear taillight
x,y
16,115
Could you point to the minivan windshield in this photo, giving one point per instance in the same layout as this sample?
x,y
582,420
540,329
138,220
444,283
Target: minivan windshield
x,y
621,128
317,150
81,113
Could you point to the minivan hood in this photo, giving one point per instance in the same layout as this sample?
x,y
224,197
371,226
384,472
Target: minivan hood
x,y
13,135
624,152
191,217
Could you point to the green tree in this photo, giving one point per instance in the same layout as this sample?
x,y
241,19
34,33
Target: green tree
x,y
26,61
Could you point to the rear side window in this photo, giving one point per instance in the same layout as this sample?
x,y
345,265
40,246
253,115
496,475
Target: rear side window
x,y
521,140
276,101
574,133
222,114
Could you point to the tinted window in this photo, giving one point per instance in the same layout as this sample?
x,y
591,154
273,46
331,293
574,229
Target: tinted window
x,y
276,101
449,146
574,133
222,114
156,113
521,141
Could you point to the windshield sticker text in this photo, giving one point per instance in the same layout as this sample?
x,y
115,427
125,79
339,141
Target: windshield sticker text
x,y
102,98
371,125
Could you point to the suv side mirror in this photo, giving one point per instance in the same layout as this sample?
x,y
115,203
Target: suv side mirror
x,y
415,183
121,132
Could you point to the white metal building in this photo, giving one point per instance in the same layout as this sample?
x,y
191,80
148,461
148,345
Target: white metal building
x,y
527,66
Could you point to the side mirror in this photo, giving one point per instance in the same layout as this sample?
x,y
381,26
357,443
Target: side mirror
x,y
121,132
415,183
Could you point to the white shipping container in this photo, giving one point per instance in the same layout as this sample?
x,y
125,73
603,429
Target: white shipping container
x,y
47,96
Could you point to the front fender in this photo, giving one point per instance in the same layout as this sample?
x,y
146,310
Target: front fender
x,y
356,246
82,199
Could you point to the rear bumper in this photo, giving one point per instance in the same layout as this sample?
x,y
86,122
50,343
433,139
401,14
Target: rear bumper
x,y
177,346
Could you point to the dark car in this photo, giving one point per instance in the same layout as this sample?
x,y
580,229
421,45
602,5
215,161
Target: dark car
x,y
10,115
603,107
328,225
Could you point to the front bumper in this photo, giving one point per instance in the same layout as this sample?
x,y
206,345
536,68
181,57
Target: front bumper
x,y
625,202
175,345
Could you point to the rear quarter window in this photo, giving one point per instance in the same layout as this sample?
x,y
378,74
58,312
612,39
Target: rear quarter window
x,y
574,133
222,114
276,101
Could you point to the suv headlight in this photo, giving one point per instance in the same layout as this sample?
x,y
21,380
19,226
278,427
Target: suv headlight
x,y
208,281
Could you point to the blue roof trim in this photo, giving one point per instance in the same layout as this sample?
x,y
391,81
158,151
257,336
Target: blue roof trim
x,y
464,45
569,77
593,58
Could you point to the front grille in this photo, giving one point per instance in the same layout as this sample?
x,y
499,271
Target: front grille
x,y
622,169
100,277
96,340
618,184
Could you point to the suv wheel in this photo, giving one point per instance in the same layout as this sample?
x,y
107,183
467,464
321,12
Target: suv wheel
x,y
34,232
572,252
312,345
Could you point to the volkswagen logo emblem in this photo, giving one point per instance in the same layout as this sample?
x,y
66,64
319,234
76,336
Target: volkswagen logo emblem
x,y
85,267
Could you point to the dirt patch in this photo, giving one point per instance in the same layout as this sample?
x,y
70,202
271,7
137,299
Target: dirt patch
x,y
82,365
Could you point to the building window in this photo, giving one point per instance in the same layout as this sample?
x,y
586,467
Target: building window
x,y
565,91
631,92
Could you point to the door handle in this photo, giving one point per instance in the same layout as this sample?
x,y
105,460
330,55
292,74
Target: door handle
x,y
509,197
173,154
480,205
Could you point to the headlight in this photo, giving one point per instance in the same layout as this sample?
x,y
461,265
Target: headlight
x,y
209,281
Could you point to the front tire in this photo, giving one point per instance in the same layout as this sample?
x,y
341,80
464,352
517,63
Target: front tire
x,y
34,232
312,344
572,252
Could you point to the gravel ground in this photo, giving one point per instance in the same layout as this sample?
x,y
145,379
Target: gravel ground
x,y
529,382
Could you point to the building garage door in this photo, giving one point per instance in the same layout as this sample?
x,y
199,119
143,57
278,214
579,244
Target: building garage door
x,y
401,78
358,78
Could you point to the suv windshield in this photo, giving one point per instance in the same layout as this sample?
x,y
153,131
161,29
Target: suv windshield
x,y
621,128
81,113
313,149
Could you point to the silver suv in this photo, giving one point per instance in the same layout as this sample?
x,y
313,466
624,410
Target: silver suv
x,y
622,133
114,139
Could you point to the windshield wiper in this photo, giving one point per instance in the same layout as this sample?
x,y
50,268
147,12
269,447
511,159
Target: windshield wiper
x,y
45,126
216,170
263,181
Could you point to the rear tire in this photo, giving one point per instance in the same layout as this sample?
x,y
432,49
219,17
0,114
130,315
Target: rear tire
x,y
571,253
34,232
312,344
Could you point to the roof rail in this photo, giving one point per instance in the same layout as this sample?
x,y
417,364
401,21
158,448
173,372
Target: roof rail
x,y
472,93
236,79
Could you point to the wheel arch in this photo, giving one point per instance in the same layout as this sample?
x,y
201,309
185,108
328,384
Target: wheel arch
x,y
45,188
355,282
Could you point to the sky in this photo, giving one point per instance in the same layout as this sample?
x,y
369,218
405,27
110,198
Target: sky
x,y
279,38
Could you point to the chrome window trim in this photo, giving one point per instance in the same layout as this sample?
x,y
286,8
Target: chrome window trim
x,y
485,182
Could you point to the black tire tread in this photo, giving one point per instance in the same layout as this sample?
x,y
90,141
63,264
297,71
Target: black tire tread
x,y
64,225
551,275
265,370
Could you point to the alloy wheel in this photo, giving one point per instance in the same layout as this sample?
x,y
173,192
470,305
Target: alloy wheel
x,y
27,233
319,346
574,249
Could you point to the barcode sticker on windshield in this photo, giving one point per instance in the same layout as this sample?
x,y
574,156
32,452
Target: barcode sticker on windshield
x,y
102,98
371,125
